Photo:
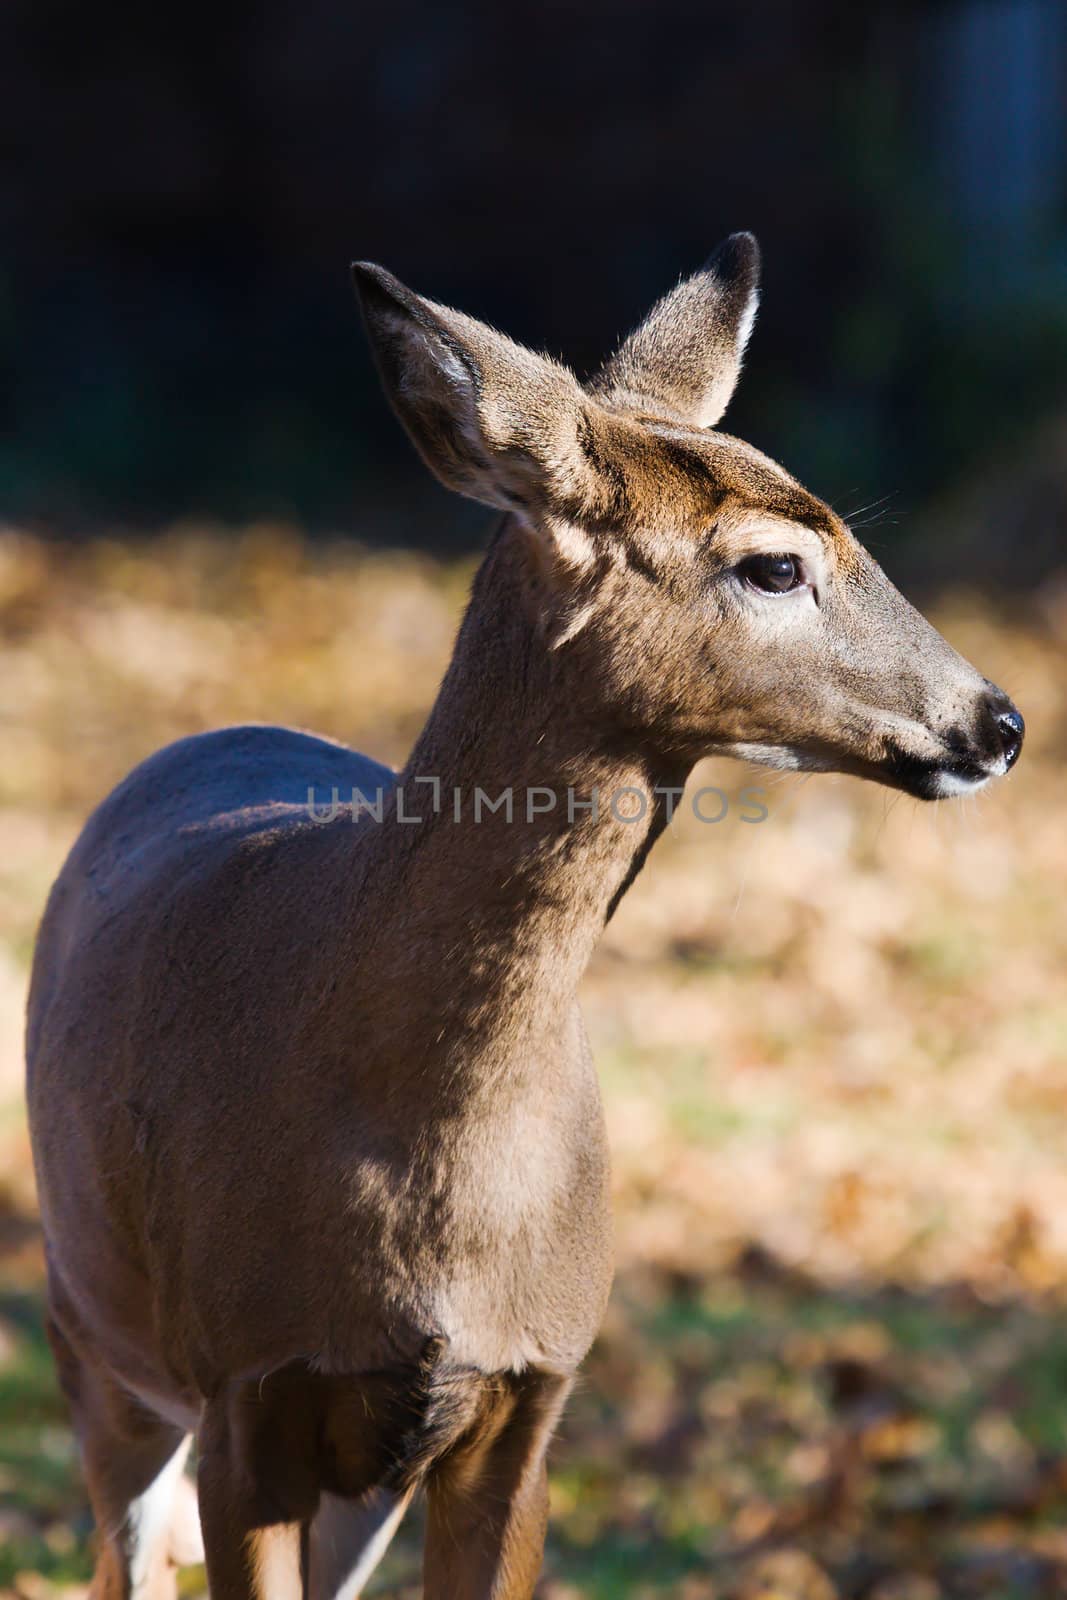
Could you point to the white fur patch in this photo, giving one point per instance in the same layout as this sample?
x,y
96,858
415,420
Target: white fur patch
x,y
747,322
148,1522
186,1534
948,784
573,544
373,1551
275,1556
569,625
783,757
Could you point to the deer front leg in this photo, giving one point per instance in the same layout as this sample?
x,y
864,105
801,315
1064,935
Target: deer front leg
x,y
349,1538
258,1487
133,1464
487,1499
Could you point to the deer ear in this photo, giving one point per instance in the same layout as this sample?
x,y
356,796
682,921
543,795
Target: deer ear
x,y
491,419
685,357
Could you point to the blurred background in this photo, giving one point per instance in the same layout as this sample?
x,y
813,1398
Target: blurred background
x,y
834,1047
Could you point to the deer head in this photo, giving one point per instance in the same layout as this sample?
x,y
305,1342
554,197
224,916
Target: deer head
x,y
698,599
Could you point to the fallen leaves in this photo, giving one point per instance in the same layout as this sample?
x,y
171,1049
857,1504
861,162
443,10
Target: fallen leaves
x,y
834,1056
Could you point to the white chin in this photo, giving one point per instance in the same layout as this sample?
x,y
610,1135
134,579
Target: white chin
x,y
947,784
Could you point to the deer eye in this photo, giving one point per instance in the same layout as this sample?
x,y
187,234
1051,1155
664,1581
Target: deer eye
x,y
772,574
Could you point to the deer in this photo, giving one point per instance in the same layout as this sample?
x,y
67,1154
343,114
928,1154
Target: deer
x,y
318,1136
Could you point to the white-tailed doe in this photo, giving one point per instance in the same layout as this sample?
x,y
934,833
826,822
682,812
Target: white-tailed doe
x,y
318,1136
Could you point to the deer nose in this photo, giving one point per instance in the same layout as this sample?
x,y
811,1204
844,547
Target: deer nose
x,y
1010,729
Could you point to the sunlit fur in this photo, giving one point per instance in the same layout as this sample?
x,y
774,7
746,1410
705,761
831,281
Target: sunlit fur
x,y
318,1136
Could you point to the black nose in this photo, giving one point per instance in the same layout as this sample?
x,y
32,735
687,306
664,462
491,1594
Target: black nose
x,y
1011,728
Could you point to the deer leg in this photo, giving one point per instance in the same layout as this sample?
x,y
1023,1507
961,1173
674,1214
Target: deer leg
x,y
133,1463
349,1538
258,1486
487,1499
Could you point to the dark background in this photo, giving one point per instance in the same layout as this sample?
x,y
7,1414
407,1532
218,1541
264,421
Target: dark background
x,y
182,190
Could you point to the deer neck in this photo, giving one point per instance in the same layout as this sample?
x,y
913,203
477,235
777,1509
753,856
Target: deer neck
x,y
499,910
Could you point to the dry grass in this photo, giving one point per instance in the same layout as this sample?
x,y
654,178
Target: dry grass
x,y
834,1049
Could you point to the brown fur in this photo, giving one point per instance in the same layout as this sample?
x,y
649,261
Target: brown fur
x,y
318,1137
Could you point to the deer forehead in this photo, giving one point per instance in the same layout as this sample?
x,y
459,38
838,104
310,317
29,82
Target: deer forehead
x,y
691,482
750,531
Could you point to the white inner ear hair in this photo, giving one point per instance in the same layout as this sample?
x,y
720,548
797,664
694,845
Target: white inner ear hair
x,y
747,322
427,359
